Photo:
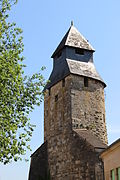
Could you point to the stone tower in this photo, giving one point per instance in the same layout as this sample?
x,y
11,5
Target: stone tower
x,y
74,115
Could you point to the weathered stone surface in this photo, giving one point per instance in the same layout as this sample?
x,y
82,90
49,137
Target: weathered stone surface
x,y
39,169
83,107
71,156
88,106
93,140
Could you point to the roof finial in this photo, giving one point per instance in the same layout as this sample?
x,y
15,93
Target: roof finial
x,y
72,23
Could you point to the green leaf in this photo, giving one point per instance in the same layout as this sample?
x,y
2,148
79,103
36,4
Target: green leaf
x,y
19,94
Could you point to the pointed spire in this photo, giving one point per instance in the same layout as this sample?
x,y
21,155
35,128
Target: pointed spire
x,y
72,23
73,38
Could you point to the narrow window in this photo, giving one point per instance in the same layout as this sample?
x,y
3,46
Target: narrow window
x,y
63,83
112,172
79,51
59,54
85,82
56,98
76,125
104,118
118,173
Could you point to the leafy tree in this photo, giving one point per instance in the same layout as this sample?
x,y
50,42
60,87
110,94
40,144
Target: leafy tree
x,y
18,93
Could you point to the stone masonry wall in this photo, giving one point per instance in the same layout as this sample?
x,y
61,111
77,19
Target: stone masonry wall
x,y
57,110
69,157
57,128
88,106
39,169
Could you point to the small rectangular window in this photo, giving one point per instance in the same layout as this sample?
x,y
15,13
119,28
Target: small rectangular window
x,y
79,51
76,125
112,172
63,83
56,98
104,118
85,82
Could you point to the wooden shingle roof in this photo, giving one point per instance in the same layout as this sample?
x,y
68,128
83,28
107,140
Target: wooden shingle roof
x,y
73,38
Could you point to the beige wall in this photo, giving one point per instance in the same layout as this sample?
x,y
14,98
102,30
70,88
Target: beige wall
x,y
111,159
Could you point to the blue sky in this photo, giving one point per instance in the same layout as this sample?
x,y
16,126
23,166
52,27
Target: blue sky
x,y
44,23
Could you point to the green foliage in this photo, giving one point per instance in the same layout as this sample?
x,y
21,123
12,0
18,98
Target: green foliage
x,y
18,93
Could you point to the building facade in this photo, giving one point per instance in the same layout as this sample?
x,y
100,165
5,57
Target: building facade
x,y
74,115
111,159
